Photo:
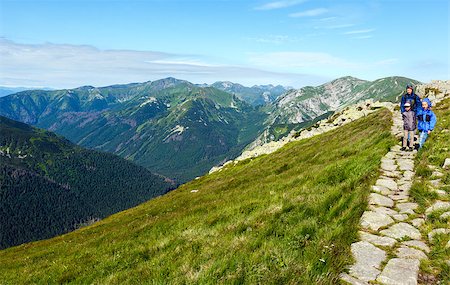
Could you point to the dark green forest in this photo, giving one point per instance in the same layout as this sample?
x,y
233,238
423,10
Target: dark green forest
x,y
49,186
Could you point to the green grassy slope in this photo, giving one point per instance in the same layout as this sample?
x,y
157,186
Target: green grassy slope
x,y
433,154
285,218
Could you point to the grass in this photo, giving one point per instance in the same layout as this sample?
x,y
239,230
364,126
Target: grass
x,y
285,218
432,155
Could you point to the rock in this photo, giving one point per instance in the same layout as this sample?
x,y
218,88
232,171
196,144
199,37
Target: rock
x,y
400,271
408,175
374,221
437,206
448,246
411,253
402,230
368,259
406,164
439,231
437,174
441,193
352,280
407,208
381,190
377,240
387,183
377,199
417,244
383,210
436,183
446,164
445,215
399,197
194,191
396,148
405,187
400,217
418,222
388,164
390,155
391,174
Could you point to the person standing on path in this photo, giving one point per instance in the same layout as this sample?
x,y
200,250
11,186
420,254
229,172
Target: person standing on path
x,y
409,127
412,98
427,121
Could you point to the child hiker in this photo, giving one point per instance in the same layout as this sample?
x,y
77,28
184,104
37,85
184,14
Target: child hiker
x,y
409,127
427,121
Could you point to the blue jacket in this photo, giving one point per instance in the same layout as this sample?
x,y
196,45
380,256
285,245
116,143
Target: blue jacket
x,y
426,118
413,99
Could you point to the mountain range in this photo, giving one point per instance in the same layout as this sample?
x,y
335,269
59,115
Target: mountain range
x,y
256,95
179,129
298,108
49,186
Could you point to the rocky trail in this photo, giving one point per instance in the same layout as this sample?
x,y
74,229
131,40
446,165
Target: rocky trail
x,y
391,244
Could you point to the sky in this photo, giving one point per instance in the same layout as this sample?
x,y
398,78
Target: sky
x,y
71,43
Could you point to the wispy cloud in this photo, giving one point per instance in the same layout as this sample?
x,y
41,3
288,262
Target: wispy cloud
x,y
67,66
279,4
363,37
309,13
340,26
359,32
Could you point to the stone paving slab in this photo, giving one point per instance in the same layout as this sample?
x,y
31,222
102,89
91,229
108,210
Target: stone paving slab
x,y
411,253
377,240
388,183
437,206
402,230
400,271
352,280
417,244
368,259
418,222
407,208
383,210
377,199
374,220
382,190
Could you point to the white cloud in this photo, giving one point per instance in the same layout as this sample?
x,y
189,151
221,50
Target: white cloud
x,y
309,13
363,37
279,4
340,26
68,66
359,32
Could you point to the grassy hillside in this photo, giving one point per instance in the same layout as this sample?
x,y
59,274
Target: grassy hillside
x,y
49,186
285,218
432,156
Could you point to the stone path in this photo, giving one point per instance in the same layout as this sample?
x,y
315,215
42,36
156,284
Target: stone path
x,y
391,245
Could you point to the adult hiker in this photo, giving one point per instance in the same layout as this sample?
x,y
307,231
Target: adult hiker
x,y
427,121
412,98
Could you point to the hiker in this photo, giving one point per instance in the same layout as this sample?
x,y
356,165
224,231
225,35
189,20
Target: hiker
x,y
427,121
410,97
409,127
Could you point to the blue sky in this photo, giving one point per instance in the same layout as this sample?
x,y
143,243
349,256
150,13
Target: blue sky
x,y
64,44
